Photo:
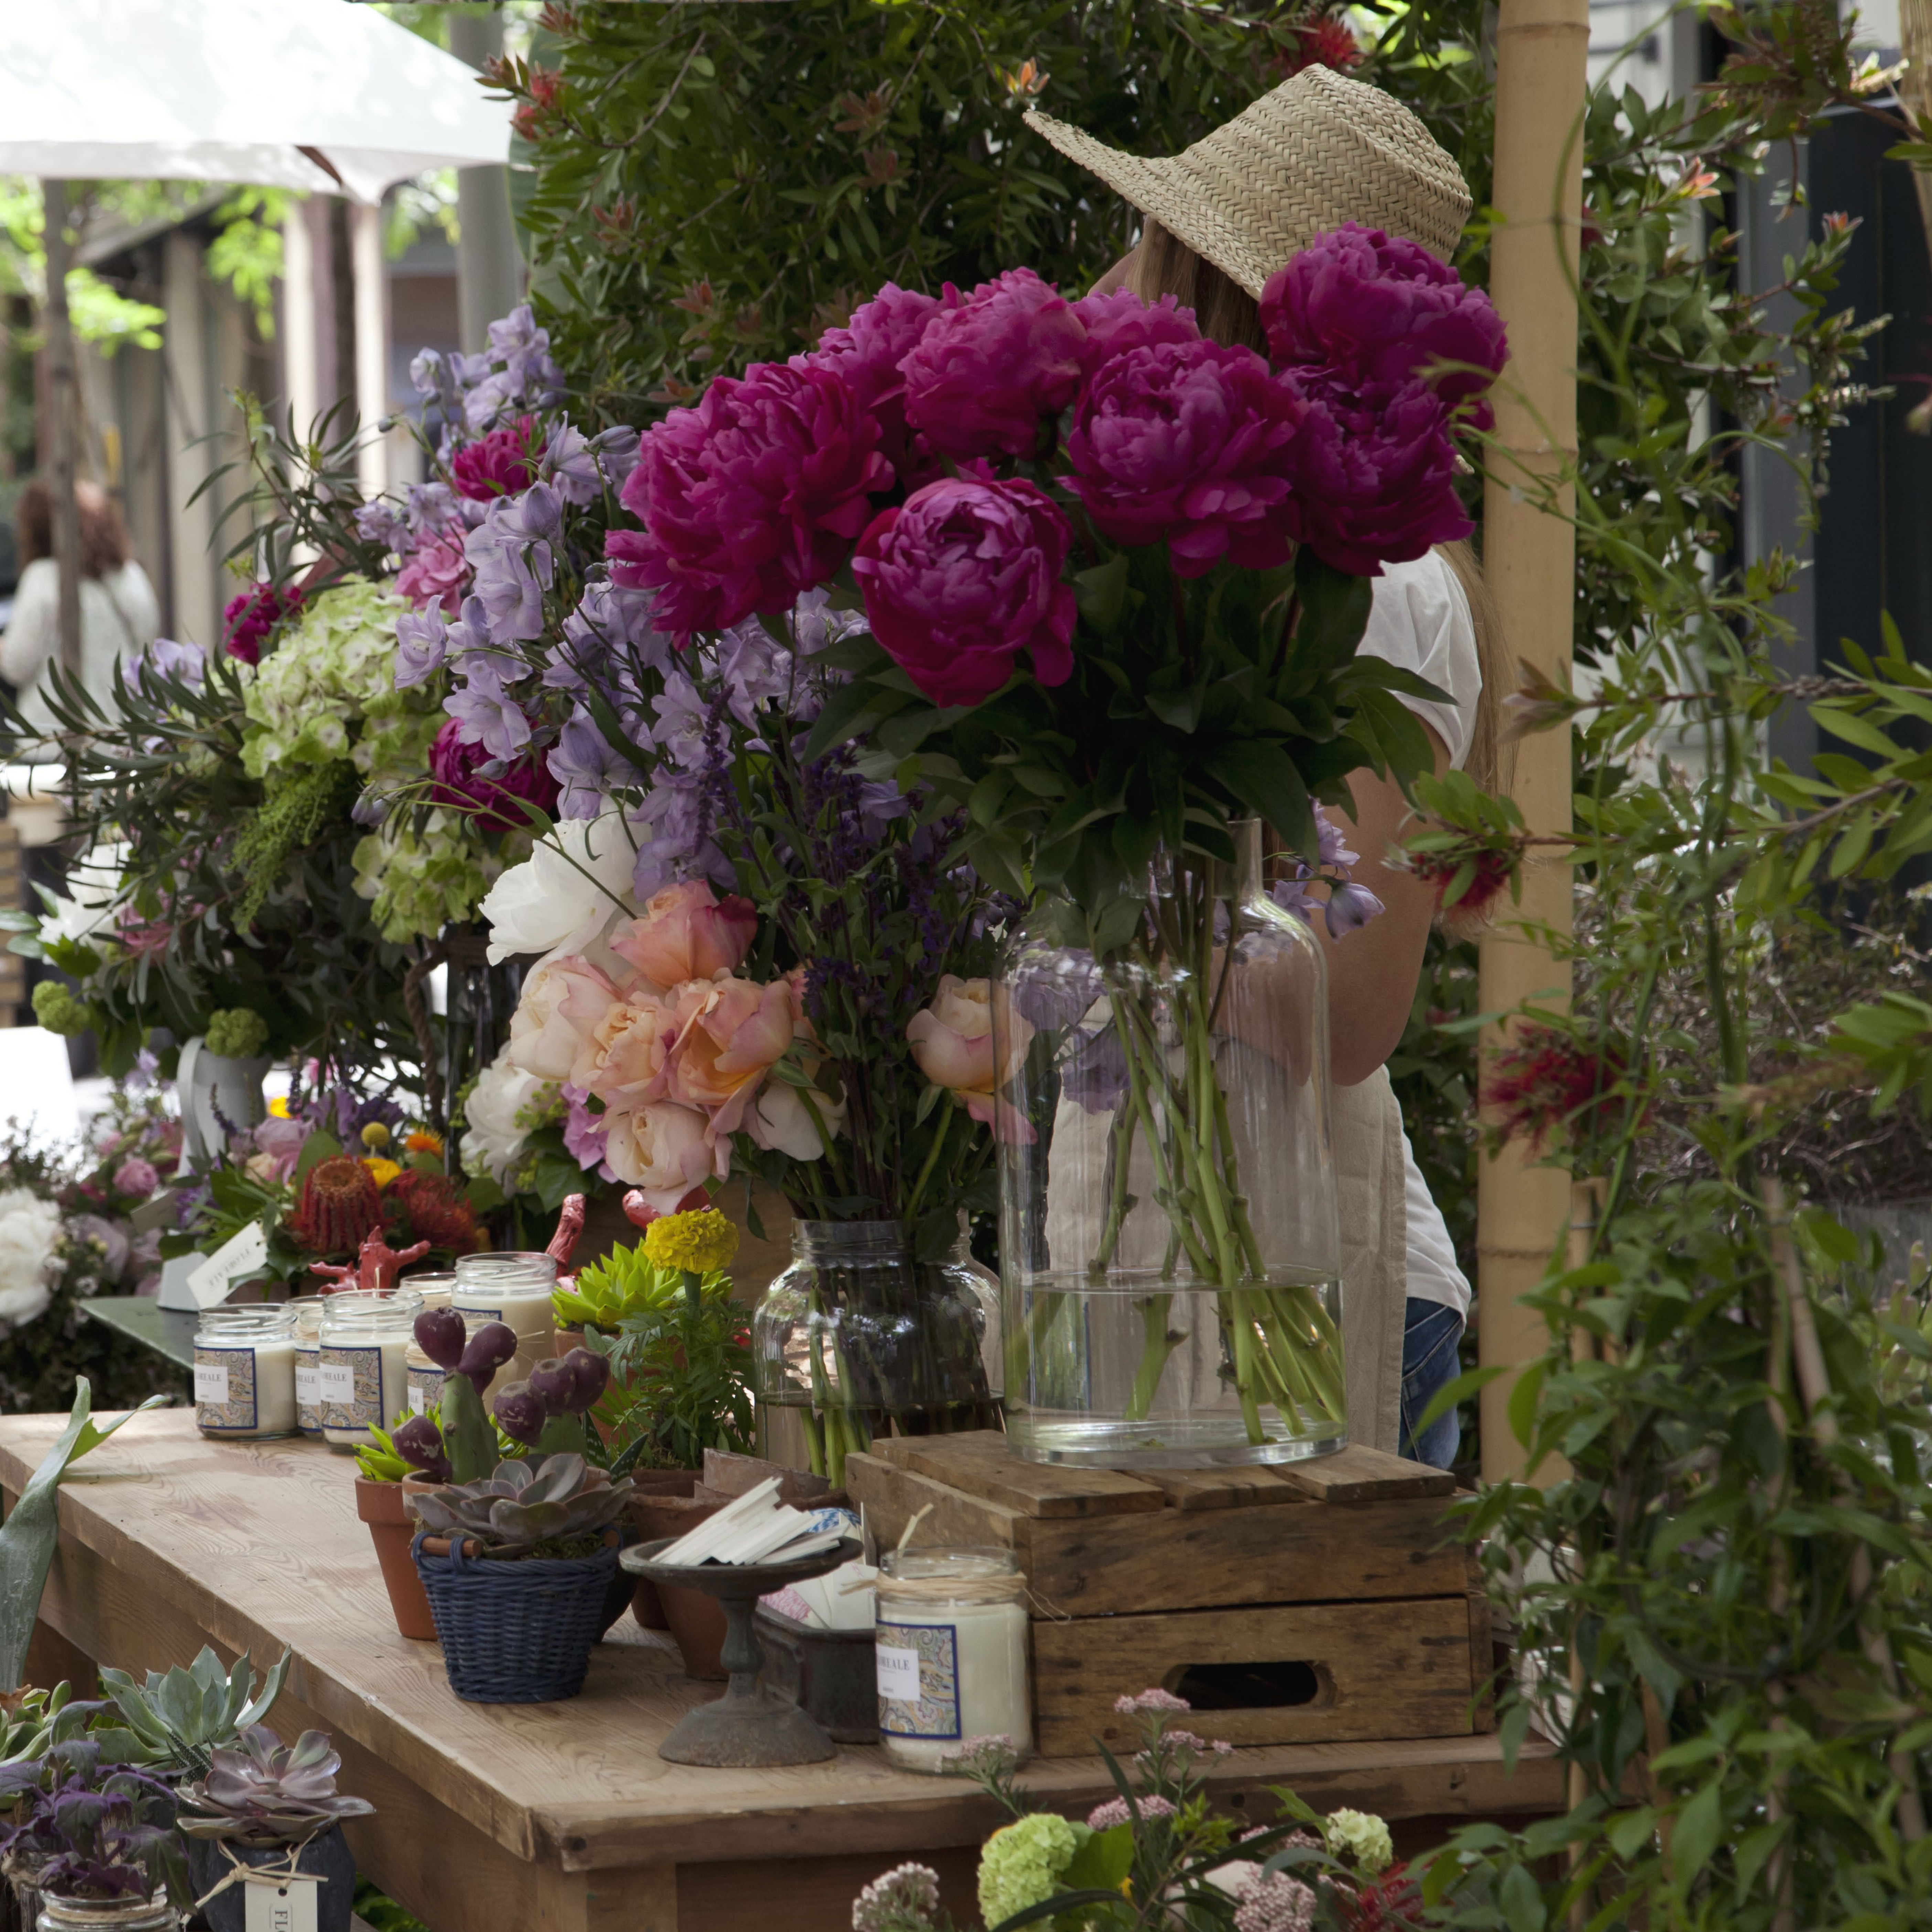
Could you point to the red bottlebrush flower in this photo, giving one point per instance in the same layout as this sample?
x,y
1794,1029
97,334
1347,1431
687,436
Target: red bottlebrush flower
x,y
1324,41
340,1203
1492,870
1545,1085
429,1208
545,85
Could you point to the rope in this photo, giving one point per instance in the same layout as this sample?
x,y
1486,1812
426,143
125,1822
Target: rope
x,y
286,1871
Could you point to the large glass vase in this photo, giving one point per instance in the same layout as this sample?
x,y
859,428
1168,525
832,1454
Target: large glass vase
x,y
1170,1249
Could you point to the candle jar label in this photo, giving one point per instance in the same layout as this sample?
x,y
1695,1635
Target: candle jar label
x,y
351,1384
308,1391
224,1389
921,1662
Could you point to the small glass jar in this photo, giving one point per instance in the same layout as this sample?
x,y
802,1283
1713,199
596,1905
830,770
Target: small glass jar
x,y
306,1310
361,1374
950,1647
512,1288
435,1287
425,1381
244,1370
93,1915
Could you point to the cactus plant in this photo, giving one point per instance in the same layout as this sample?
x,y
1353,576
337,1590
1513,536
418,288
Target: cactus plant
x,y
176,1718
469,1440
263,1792
536,1508
546,1413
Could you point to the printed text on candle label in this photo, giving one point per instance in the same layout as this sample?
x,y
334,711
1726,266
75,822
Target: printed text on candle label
x,y
337,1381
211,1384
898,1674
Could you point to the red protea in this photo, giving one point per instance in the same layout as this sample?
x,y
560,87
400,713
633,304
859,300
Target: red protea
x,y
429,1208
340,1203
1324,41
1545,1084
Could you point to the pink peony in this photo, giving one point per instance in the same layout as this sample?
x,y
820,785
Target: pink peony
x,y
493,802
1375,474
684,933
962,579
437,571
1363,307
750,498
137,1176
1187,442
730,1042
247,619
868,351
665,1150
563,1004
1120,320
986,374
500,464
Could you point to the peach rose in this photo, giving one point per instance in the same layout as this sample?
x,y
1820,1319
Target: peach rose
x,y
623,1059
563,1002
728,1044
953,1046
684,933
664,1150
779,1119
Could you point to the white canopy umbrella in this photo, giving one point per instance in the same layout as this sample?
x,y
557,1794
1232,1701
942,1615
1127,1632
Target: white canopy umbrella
x,y
317,94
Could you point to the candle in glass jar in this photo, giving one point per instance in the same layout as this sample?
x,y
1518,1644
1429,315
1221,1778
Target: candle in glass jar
x,y
950,1649
306,1311
360,1372
244,1371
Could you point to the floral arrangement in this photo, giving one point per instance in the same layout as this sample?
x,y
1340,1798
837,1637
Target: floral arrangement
x,y
1158,1853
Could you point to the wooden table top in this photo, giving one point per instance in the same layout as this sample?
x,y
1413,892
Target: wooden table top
x,y
259,1545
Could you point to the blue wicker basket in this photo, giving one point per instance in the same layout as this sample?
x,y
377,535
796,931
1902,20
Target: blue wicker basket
x,y
517,1632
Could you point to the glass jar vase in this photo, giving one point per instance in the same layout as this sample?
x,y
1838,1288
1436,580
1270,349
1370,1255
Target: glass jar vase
x,y
244,1370
856,1338
107,1915
1169,1232
362,1376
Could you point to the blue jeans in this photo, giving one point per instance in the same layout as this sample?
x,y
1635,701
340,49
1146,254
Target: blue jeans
x,y
1430,1335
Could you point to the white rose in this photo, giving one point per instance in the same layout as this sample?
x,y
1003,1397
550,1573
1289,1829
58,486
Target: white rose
x,y
492,1139
778,1119
570,888
29,1228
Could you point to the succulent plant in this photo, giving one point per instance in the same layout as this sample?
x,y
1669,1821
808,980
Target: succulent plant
x,y
523,1507
419,1441
176,1719
263,1792
570,1385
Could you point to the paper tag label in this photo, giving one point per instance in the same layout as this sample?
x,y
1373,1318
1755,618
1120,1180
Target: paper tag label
x,y
211,1384
240,1255
281,1905
335,1382
921,1662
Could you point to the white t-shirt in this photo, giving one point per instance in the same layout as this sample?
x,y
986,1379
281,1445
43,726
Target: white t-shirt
x,y
1420,619
118,616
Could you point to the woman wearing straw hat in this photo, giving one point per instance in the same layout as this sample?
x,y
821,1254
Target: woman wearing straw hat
x,y
1221,217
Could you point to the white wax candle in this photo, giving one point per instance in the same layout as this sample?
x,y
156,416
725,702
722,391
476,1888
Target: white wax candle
x,y
946,1675
244,1386
525,1307
363,1382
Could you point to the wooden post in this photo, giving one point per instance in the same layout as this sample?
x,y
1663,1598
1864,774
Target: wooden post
x,y
63,413
1529,557
372,344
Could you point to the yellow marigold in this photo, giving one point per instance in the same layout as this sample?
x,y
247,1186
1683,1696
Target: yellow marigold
x,y
695,1242
422,1141
279,1107
375,1136
383,1171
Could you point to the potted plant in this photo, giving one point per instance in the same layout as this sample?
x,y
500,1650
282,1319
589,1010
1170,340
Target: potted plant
x,y
92,1845
266,1804
176,1719
517,1567
382,1469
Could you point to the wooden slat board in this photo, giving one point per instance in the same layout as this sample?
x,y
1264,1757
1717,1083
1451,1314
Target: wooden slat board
x,y
562,1818
1361,1474
979,1463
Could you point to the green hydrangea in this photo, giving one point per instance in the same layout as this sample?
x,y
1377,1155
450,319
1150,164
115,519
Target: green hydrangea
x,y
58,1010
419,882
1021,1865
330,684
235,1033
1362,1836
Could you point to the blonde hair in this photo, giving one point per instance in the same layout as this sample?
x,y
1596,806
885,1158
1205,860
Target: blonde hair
x,y
1225,312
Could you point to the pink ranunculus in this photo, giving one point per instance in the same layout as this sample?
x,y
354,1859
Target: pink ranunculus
x,y
563,1003
732,1038
500,464
1120,320
1375,473
666,1149
492,802
625,1059
247,619
1189,442
868,351
437,571
953,1046
750,498
964,577
987,374
685,932
1364,308
278,1143
137,1176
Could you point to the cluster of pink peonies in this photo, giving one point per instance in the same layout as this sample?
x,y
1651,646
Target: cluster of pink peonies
x,y
891,446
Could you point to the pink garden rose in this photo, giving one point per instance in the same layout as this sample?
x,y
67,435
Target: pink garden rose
x,y
953,1046
868,351
1120,320
1363,307
278,1141
962,579
437,571
665,1150
500,464
986,374
625,1060
729,1043
750,498
563,1003
1187,442
494,802
685,933
137,1176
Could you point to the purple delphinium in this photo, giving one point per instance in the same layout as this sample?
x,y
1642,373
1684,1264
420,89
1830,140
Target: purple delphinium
x,y
1349,906
488,715
511,553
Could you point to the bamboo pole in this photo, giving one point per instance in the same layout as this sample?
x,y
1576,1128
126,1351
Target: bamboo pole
x,y
63,394
1529,557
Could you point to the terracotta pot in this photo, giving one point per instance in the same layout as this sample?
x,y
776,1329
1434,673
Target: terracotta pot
x,y
391,1528
695,1620
646,1606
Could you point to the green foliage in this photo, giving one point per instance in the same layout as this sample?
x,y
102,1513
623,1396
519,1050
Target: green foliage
x,y
247,251
240,1033
177,1718
680,1379
626,1281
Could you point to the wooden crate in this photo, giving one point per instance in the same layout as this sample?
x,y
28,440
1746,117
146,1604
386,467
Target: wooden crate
x,y
1313,1603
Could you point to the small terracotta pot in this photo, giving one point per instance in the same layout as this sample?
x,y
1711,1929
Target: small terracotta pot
x,y
391,1529
562,1340
695,1620
646,1606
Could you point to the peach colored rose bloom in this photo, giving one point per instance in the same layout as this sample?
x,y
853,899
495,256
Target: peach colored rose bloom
x,y
563,1001
623,1061
729,1043
663,1149
684,933
953,1046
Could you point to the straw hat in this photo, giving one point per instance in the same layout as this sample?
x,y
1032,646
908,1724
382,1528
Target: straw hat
x,y
1318,151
